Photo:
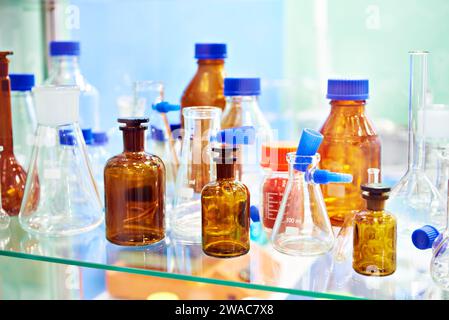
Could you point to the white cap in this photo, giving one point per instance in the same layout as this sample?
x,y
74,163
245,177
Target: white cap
x,y
56,105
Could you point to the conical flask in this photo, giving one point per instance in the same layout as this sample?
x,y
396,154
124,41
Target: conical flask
x,y
196,169
69,202
415,200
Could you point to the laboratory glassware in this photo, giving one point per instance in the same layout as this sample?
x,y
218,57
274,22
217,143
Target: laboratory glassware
x,y
99,155
23,116
350,145
225,210
206,87
134,190
12,174
242,109
68,201
65,71
374,245
415,200
196,169
4,217
274,161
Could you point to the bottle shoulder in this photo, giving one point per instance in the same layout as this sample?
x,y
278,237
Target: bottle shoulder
x,y
369,215
135,160
225,187
205,88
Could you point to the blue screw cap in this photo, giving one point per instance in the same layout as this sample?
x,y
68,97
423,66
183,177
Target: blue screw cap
x,y
22,81
308,145
424,237
242,86
254,214
210,51
88,136
325,177
66,138
347,89
164,107
64,48
100,138
237,136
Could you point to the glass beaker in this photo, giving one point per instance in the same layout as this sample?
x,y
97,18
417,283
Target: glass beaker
x,y
302,225
68,200
415,200
201,125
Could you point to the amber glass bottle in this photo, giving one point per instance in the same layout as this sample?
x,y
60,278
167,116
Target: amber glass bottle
x,y
134,191
225,212
350,145
12,175
206,87
374,252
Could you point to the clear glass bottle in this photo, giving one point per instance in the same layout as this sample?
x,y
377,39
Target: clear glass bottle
x,y
242,109
61,197
12,174
225,210
134,190
415,200
206,87
23,116
65,71
374,247
350,145
274,161
201,125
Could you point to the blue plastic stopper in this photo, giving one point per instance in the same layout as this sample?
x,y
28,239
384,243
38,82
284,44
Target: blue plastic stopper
x,y
254,214
66,138
100,138
164,107
308,145
424,237
325,177
88,137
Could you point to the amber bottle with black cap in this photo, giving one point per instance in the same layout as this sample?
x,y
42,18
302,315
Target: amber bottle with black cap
x,y
134,190
225,205
374,252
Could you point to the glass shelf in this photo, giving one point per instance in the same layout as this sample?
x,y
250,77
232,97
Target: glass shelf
x,y
262,269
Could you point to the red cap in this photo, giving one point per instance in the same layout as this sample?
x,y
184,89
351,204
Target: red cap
x,y
274,154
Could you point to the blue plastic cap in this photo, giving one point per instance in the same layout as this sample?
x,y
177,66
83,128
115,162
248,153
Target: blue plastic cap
x,y
210,51
309,142
242,86
100,138
157,134
325,177
88,137
254,214
66,138
346,89
424,237
21,82
165,107
236,136
64,48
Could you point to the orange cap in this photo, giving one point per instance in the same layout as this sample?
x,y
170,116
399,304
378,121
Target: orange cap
x,y
274,154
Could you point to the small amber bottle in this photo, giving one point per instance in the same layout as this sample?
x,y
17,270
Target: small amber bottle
x,y
225,212
374,252
134,191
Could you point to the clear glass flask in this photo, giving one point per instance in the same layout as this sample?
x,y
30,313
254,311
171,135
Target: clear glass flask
x,y
415,200
196,169
302,225
99,155
23,116
64,70
68,201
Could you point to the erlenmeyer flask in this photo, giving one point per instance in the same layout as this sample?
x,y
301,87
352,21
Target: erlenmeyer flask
x,y
415,199
201,125
302,225
69,202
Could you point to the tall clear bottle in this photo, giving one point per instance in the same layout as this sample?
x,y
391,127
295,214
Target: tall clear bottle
x,y
242,109
12,174
415,200
61,197
23,116
65,71
201,125
206,87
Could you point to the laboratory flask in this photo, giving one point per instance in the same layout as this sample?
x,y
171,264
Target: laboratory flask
x,y
196,169
415,200
68,199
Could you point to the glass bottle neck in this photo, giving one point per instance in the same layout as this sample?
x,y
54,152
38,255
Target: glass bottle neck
x,y
375,205
65,67
134,140
245,102
211,63
348,107
6,139
225,171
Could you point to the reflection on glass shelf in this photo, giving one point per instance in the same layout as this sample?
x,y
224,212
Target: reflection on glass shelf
x,y
262,269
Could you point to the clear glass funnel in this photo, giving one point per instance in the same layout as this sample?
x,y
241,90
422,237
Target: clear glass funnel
x,y
415,200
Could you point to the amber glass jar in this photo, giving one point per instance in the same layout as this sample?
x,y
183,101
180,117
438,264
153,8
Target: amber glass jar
x,y
225,212
134,191
350,145
206,87
374,251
